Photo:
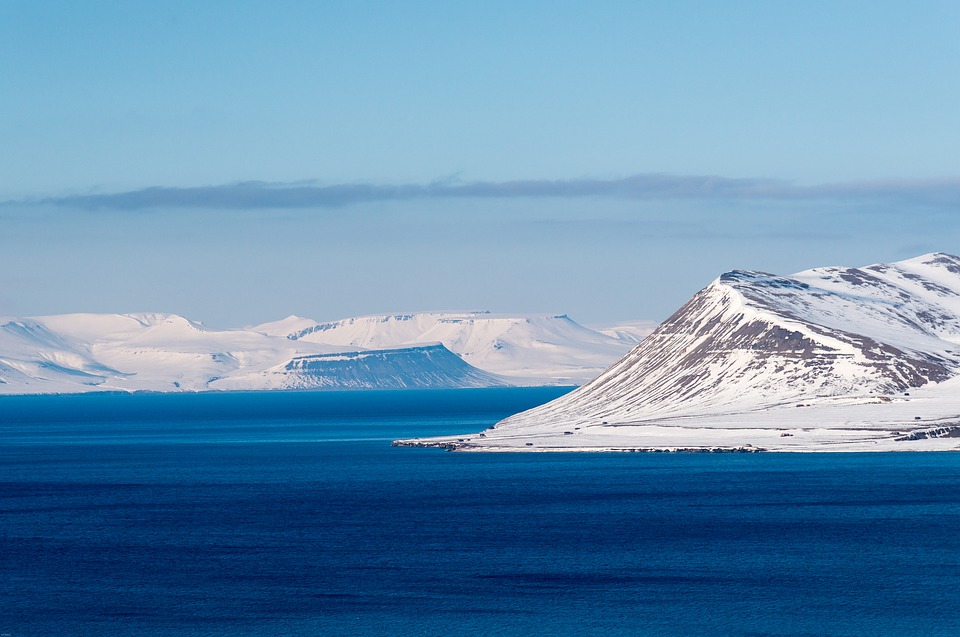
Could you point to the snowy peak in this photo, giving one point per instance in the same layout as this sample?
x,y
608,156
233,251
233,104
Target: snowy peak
x,y
284,327
628,331
167,352
753,340
891,301
937,260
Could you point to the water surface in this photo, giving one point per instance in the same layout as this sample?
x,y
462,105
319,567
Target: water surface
x,y
289,513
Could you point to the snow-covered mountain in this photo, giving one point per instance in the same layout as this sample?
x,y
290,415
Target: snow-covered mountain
x,y
165,352
541,349
129,352
425,367
628,331
830,357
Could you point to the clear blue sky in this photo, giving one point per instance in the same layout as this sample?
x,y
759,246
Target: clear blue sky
x,y
601,159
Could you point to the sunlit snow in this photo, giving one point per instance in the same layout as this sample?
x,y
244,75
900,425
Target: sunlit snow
x,y
827,359
72,353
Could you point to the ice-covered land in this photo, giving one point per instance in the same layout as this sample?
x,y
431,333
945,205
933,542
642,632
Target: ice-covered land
x,y
830,359
73,353
542,350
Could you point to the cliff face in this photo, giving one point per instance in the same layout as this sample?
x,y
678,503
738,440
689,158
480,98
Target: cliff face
x,y
430,367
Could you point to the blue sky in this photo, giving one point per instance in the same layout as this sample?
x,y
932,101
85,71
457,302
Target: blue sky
x,y
237,162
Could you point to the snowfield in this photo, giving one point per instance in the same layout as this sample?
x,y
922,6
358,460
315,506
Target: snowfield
x,y
73,353
830,359
542,350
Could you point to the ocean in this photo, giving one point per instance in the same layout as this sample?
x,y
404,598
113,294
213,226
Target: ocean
x,y
290,514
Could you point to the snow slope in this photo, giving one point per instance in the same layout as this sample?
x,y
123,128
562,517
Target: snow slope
x,y
538,349
827,358
129,352
164,352
628,331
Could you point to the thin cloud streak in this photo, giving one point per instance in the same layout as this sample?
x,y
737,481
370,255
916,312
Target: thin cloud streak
x,y
256,195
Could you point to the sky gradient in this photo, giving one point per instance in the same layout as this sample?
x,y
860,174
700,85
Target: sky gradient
x,y
239,162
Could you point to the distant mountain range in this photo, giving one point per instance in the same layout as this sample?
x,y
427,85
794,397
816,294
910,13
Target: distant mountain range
x,y
550,350
164,352
831,358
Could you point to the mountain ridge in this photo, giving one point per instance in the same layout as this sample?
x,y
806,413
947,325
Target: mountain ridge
x,y
751,346
542,348
154,351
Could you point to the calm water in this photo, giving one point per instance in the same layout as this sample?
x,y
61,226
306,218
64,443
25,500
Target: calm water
x,y
289,514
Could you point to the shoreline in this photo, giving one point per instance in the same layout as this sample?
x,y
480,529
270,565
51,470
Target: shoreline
x,y
667,439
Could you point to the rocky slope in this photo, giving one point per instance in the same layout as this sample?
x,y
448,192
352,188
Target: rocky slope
x,y
751,348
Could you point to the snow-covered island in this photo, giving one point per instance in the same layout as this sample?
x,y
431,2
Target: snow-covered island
x,y
74,353
829,359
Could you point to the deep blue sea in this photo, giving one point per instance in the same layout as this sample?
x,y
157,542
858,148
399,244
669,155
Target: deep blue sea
x,y
290,514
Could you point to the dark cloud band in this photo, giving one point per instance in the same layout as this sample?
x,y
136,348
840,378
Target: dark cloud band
x,y
263,195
